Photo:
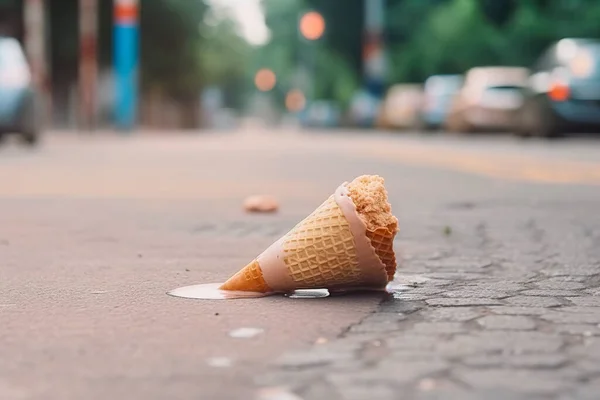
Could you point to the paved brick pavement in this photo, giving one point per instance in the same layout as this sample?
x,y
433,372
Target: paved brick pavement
x,y
510,310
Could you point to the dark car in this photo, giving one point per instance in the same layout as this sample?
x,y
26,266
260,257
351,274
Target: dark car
x,y
563,91
19,112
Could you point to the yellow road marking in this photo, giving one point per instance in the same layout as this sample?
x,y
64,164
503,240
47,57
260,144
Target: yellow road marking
x,y
494,165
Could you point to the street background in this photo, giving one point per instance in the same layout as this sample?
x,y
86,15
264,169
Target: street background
x,y
181,64
158,118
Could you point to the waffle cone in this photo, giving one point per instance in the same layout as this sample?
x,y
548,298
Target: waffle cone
x,y
382,240
248,279
331,248
320,250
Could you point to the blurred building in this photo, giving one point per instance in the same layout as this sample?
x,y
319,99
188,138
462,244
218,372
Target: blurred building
x,y
160,107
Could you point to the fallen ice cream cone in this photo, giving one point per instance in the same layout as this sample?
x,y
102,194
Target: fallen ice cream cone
x,y
346,243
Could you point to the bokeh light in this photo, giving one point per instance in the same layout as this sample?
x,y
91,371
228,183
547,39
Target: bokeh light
x,y
295,100
265,80
312,25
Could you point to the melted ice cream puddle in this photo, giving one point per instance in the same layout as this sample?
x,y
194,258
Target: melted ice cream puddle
x,y
211,291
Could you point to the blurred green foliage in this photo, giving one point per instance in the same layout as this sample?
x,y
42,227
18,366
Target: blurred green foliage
x,y
170,43
423,37
456,35
223,58
187,45
326,67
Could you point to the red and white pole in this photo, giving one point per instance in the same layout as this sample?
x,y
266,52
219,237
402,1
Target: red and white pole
x,y
88,63
126,60
35,48
374,57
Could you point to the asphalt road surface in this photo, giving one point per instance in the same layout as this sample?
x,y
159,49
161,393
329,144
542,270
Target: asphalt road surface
x,y
499,241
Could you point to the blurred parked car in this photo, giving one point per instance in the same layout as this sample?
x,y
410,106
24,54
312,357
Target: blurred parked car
x,y
401,107
321,114
489,99
563,93
439,92
363,109
19,112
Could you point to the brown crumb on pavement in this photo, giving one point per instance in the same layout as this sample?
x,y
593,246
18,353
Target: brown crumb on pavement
x,y
261,203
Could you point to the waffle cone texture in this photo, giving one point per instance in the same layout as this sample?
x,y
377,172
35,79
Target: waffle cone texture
x,y
321,252
250,278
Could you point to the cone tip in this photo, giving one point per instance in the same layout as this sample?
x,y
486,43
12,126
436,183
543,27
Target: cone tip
x,y
248,279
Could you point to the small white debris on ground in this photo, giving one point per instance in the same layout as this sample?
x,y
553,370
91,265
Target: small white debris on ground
x,y
245,333
276,393
219,362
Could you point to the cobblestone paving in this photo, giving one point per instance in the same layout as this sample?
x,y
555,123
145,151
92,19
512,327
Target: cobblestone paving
x,y
483,308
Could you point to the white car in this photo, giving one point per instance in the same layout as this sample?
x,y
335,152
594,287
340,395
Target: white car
x,y
401,108
489,99
19,107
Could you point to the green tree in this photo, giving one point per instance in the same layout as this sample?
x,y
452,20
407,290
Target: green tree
x,y
170,39
344,31
331,73
537,24
425,37
223,58
454,37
